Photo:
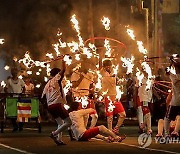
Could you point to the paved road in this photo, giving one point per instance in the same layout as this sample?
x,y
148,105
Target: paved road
x,y
30,141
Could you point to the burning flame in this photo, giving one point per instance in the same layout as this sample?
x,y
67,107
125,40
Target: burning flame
x,y
6,67
67,86
3,84
119,92
2,41
111,106
128,62
108,48
139,76
67,59
131,34
106,22
76,27
98,84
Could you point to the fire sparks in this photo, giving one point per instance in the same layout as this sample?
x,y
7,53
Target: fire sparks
x,y
128,62
106,22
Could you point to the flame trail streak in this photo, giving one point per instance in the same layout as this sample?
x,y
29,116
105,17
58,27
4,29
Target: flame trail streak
x,y
76,27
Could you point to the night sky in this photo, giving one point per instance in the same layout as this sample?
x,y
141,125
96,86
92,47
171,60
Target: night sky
x,y
32,25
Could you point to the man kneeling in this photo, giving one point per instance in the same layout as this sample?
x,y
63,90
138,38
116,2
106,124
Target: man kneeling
x,y
83,134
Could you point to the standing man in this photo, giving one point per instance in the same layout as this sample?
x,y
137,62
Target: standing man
x,y
109,86
56,99
17,86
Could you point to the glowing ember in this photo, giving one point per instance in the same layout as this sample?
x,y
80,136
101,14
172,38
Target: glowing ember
x,y
106,22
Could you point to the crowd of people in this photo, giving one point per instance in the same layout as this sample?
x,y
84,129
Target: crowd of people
x,y
155,101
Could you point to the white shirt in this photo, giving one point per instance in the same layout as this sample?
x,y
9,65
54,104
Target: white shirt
x,y
15,86
83,88
108,83
77,119
53,92
144,95
175,101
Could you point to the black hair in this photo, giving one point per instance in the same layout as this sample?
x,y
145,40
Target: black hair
x,y
54,71
107,63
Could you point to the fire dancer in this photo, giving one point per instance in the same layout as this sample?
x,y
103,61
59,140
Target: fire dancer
x,y
82,82
109,86
174,97
54,94
143,98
